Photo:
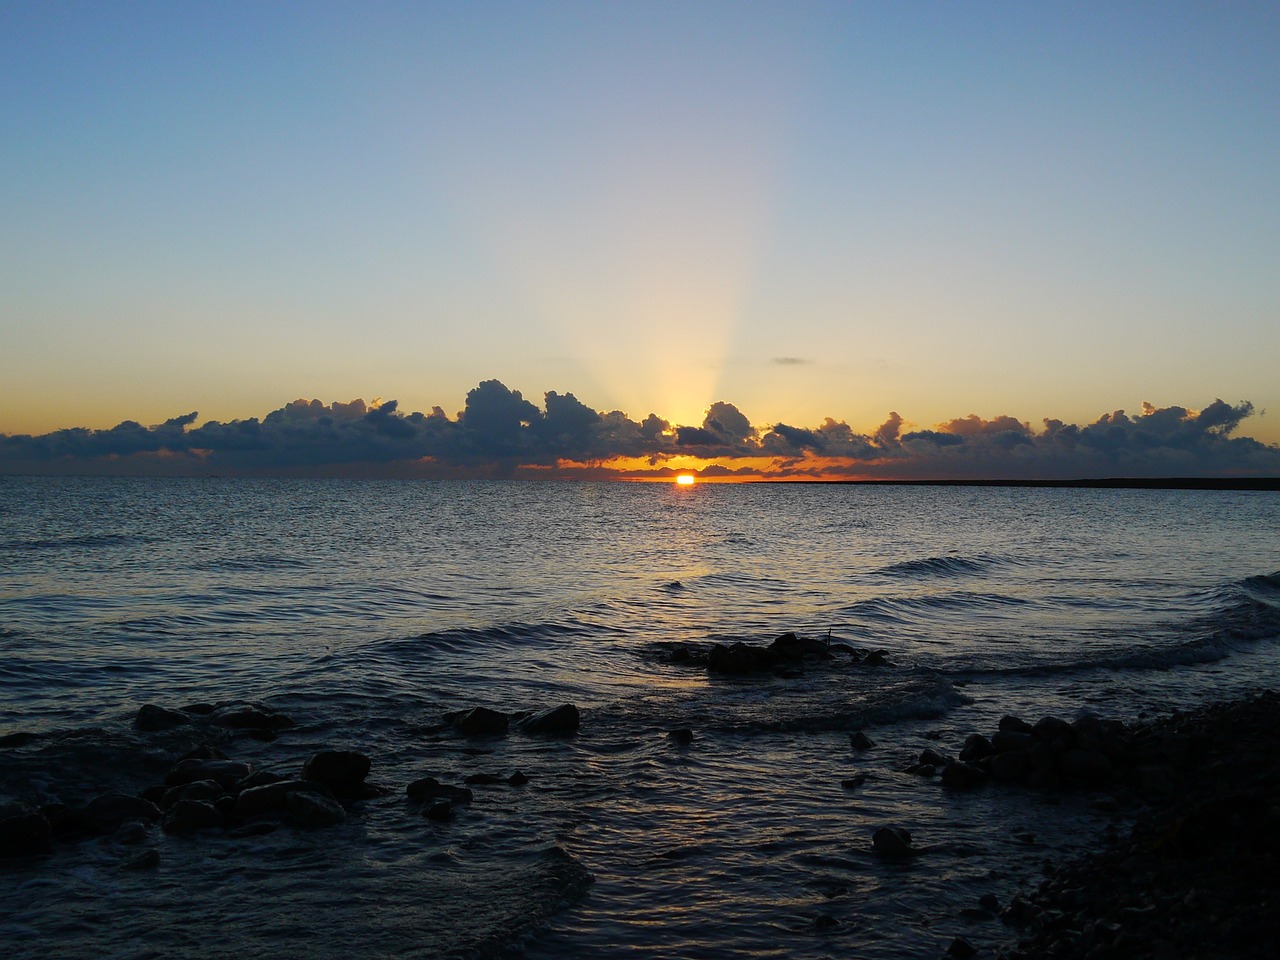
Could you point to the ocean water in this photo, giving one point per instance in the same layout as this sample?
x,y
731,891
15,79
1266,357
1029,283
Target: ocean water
x,y
367,610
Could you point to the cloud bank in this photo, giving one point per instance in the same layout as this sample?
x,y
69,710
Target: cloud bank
x,y
500,433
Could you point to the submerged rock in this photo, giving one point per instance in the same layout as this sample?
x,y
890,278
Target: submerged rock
x,y
479,722
188,816
311,811
860,741
562,719
342,771
892,842
105,813
24,833
429,788
225,772
152,717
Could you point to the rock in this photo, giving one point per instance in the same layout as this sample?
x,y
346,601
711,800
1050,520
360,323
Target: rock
x,y
790,647
249,716
562,719
892,842
271,799
876,658
188,816
1007,741
976,747
225,772
479,722
963,776
1089,766
440,811
989,902
24,833
961,949
1055,730
860,741
517,779
734,660
152,717
1010,724
206,751
1012,767
105,813
824,921
429,788
195,790
131,832
342,771
311,811
933,758
483,780
852,783
146,860
683,736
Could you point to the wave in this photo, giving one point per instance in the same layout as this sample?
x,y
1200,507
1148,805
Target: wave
x,y
950,565
907,609
78,542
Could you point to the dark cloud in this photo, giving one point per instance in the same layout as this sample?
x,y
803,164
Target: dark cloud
x,y
791,361
500,433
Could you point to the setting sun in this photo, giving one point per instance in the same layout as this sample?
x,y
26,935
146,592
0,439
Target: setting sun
x,y
685,480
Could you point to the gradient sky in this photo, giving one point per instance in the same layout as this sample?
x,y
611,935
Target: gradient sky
x,y
809,210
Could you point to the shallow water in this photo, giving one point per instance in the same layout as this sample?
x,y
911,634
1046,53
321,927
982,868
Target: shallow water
x,y
365,610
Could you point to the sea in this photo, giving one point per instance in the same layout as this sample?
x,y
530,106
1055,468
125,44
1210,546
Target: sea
x,y
367,610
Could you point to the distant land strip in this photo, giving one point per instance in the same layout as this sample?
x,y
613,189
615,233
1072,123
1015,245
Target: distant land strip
x,y
1106,483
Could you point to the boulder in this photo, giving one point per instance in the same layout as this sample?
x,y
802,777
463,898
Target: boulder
x,y
24,833
431,789
734,660
1089,766
963,776
1006,741
517,779
248,716
1012,767
188,816
342,771
271,799
860,741
105,813
1009,724
791,647
479,722
225,772
892,842
976,747
312,811
562,719
195,790
152,717
146,860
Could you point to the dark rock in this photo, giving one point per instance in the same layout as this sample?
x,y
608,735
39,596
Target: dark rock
x,y
989,902
225,772
562,719
825,921
439,811
206,751
429,788
24,833
683,736
153,717
860,741
1010,724
146,860
105,813
259,778
933,758
963,776
256,829
271,799
1007,741
852,783
790,647
311,811
961,949
19,739
736,659
189,816
1089,766
196,790
131,832
246,716
478,722
517,779
342,771
922,770
199,709
1012,767
976,747
876,658
1055,730
892,842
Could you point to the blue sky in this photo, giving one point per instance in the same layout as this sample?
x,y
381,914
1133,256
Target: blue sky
x,y
807,210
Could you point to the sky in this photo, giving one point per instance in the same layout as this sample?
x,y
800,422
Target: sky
x,y
864,214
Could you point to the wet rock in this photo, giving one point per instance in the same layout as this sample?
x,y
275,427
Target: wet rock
x,y
683,736
131,832
146,860
963,776
152,717
933,758
1010,724
852,783
311,811
860,741
439,811
1007,741
892,842
517,779
791,647
562,719
1012,767
189,816
824,921
431,789
24,833
1089,766
246,716
196,790
225,772
258,828
976,747
19,739
876,658
478,722
206,751
961,949
342,771
105,813
271,799
735,659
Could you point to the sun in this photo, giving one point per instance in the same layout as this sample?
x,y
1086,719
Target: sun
x,y
686,479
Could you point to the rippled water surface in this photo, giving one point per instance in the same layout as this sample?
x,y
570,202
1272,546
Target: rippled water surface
x,y
366,610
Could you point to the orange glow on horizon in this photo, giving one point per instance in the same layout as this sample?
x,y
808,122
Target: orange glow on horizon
x,y
686,480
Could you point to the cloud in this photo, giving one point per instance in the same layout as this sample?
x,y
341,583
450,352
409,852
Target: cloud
x,y
790,361
501,433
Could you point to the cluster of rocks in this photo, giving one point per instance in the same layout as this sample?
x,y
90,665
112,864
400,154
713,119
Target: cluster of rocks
x,y
1051,754
785,656
1199,873
207,790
